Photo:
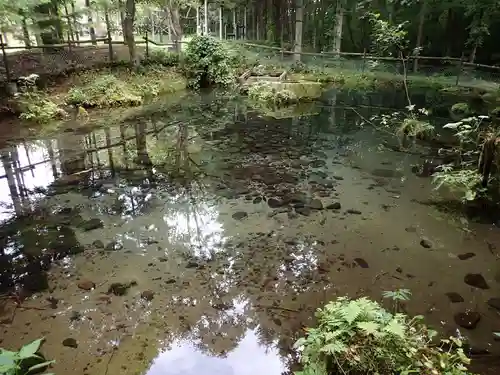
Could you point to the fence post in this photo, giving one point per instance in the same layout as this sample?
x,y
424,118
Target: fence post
x,y
459,69
5,61
364,61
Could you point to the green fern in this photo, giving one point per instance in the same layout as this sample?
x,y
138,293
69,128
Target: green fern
x,y
360,336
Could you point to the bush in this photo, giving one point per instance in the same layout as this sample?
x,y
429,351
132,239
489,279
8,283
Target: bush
x,y
163,57
361,337
37,107
104,91
266,93
208,63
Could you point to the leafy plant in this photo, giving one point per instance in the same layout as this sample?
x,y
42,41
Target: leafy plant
x,y
397,296
163,57
24,362
208,63
37,107
266,93
460,110
361,337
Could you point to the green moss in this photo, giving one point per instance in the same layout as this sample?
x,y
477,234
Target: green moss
x,y
461,109
272,95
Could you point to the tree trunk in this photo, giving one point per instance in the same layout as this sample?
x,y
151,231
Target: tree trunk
x,y
339,25
198,27
450,16
205,28
235,30
26,34
128,25
89,21
175,24
299,16
75,22
220,23
245,23
420,34
108,32
477,38
69,21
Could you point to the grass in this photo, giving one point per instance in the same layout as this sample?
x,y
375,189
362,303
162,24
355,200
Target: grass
x,y
121,88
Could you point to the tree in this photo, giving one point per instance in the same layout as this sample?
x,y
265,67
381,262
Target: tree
x,y
299,16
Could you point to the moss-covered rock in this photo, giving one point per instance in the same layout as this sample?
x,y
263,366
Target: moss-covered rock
x,y
460,110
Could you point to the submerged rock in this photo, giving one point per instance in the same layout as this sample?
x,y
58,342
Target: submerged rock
x,y
467,320
316,204
275,202
466,256
426,243
334,206
476,280
86,285
304,211
70,343
98,244
91,224
240,215
454,297
148,295
120,289
495,303
361,262
353,212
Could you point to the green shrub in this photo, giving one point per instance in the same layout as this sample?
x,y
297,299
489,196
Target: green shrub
x,y
36,107
461,109
361,337
163,57
208,63
266,93
104,91
26,361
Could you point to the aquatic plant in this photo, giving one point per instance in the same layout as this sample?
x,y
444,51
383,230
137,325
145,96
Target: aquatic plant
x,y
208,63
361,337
26,361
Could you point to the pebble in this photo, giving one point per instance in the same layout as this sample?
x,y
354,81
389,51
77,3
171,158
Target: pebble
x,y
98,244
467,320
86,285
148,295
466,256
495,303
120,289
70,343
361,262
454,297
240,215
353,212
274,202
476,280
426,243
316,204
304,211
257,200
334,206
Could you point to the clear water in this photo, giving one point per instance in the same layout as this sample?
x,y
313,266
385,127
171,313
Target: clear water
x,y
174,199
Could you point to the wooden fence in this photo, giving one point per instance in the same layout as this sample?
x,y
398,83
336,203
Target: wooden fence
x,y
59,58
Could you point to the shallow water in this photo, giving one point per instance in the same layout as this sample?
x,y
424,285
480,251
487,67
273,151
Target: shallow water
x,y
204,212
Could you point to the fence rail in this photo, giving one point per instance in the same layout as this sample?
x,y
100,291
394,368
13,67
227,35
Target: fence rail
x,y
55,59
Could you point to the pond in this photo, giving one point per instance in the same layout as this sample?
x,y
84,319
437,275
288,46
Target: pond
x,y
196,235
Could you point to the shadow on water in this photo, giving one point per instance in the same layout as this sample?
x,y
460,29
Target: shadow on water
x,y
206,234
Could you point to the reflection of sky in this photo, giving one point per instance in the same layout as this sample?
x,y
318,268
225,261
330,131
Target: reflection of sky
x,y
249,358
39,176
195,224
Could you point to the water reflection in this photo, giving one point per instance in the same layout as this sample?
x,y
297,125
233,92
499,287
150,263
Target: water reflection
x,y
248,358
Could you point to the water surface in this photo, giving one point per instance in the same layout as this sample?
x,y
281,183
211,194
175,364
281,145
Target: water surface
x,y
224,228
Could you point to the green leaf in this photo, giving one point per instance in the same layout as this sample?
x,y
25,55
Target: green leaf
x,y
333,348
368,328
29,350
41,365
7,361
351,312
395,328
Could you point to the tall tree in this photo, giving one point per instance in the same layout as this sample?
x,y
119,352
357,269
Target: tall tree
x,y
299,17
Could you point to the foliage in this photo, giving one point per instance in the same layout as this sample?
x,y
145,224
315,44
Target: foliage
x,y
207,63
37,107
461,109
397,296
163,57
462,176
15,363
104,91
268,94
387,37
360,337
